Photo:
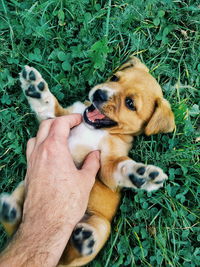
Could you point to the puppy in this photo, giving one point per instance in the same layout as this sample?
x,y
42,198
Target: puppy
x,y
128,104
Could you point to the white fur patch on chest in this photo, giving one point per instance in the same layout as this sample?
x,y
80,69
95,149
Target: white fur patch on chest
x,y
83,136
78,107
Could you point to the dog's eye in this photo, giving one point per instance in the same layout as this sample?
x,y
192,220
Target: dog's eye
x,y
114,78
129,103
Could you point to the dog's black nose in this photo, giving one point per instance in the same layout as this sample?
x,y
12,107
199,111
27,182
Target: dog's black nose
x,y
100,96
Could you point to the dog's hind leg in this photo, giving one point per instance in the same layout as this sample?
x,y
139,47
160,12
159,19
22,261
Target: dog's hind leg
x,y
11,209
41,100
87,239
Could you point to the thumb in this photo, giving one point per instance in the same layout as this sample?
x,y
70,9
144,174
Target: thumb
x,y
91,164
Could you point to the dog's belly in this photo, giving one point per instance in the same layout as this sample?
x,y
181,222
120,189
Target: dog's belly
x,y
83,140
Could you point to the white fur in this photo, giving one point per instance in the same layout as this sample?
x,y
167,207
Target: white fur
x,y
44,107
83,135
78,107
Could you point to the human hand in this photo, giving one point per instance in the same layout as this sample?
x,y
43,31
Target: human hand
x,y
53,183
56,195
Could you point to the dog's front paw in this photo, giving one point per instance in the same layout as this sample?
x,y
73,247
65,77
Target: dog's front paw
x,y
10,211
137,175
83,239
32,82
37,92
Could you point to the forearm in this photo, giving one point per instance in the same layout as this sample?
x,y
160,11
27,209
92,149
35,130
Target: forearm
x,y
31,248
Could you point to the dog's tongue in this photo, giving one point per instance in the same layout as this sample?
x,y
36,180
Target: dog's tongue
x,y
95,115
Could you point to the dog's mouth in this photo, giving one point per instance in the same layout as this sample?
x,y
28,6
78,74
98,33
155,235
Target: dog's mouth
x,y
96,118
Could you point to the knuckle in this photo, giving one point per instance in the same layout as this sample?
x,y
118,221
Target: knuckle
x,y
56,124
56,121
48,146
30,141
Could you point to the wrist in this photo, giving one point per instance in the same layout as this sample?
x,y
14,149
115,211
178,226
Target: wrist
x,y
32,248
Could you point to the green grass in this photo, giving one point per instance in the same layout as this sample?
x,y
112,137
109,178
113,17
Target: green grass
x,y
76,44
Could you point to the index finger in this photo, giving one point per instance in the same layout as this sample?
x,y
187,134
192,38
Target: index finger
x,y
43,131
61,126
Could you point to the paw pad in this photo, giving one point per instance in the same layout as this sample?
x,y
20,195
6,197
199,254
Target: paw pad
x,y
137,181
138,175
41,86
83,240
32,92
141,170
8,209
153,175
24,73
32,82
36,90
32,76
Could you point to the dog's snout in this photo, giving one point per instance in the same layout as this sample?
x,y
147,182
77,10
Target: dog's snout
x,y
100,96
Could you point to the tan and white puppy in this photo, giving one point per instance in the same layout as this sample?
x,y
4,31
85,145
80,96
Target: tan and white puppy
x,y
128,104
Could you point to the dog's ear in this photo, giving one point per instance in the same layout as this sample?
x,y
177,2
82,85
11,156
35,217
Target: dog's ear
x,y
134,62
162,120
